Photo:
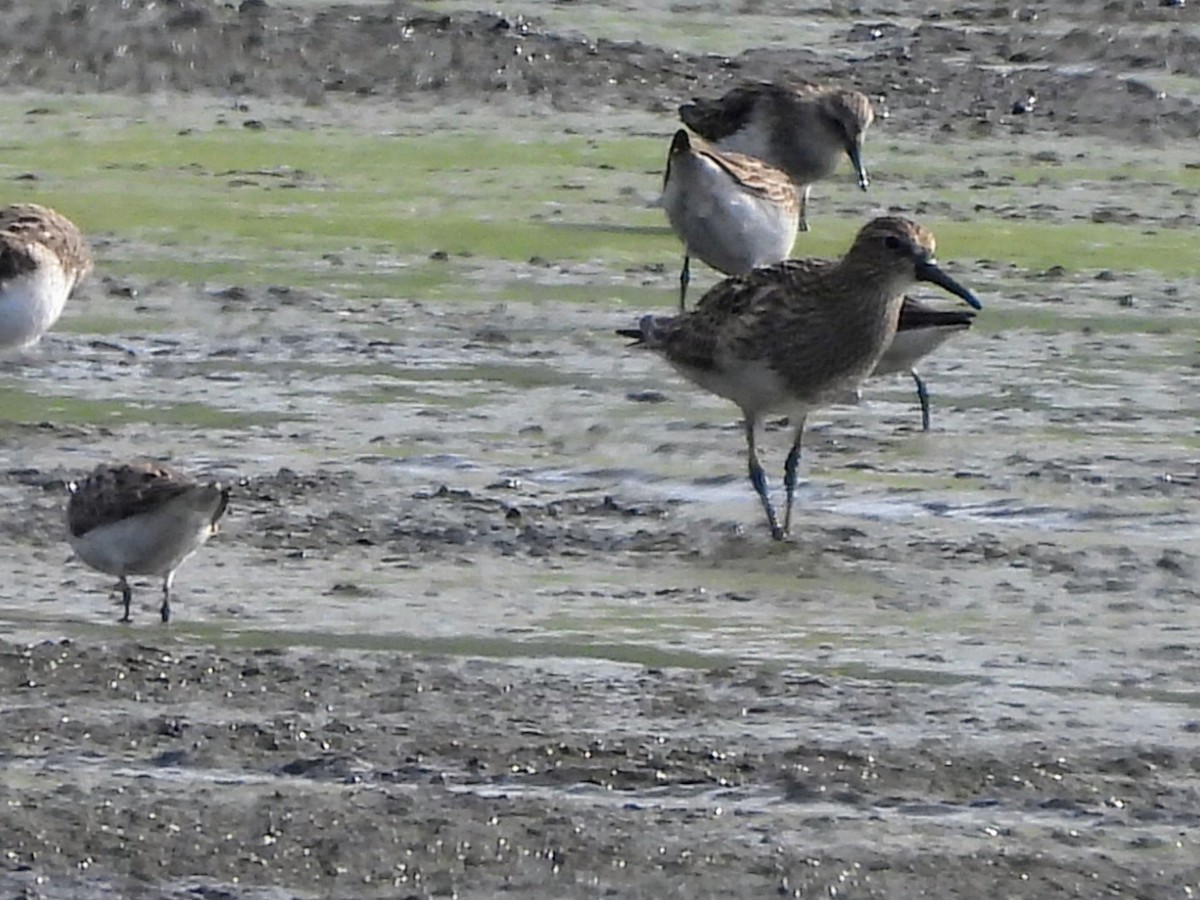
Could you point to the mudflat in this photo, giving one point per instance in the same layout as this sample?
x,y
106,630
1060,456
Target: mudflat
x,y
493,610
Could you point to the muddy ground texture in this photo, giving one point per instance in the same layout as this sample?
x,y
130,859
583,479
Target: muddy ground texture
x,y
1090,66
332,774
147,765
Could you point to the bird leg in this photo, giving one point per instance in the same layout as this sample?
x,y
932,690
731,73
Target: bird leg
x,y
165,611
804,207
685,278
923,396
126,597
789,474
758,478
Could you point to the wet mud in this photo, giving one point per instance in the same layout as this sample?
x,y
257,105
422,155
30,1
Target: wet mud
x,y
494,610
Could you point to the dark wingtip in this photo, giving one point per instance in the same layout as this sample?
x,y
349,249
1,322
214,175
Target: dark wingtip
x,y
915,315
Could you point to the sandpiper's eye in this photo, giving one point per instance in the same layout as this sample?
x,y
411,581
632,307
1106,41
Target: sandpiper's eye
x,y
892,242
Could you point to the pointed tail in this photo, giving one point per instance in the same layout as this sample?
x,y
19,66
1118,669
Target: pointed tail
x,y
681,143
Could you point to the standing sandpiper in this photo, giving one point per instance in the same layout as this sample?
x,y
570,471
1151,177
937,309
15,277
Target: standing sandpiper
x,y
733,211
141,519
921,330
798,335
803,130
42,257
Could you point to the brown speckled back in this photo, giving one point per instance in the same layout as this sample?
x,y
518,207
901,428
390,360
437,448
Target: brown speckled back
x,y
33,222
115,492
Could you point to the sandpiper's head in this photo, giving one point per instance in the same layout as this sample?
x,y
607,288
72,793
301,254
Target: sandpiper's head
x,y
895,245
851,114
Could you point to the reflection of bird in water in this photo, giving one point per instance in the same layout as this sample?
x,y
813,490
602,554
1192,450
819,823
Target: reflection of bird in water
x,y
797,335
43,256
732,211
804,130
141,519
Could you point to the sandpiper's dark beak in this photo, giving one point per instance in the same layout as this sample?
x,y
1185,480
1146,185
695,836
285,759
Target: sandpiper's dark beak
x,y
854,151
927,270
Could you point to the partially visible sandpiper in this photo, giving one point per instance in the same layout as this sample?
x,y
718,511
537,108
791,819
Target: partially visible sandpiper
x,y
141,519
43,256
732,211
921,330
798,335
803,130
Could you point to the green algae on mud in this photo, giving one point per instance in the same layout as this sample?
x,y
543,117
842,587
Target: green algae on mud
x,y
1064,317
20,405
1073,246
236,190
222,202
1061,163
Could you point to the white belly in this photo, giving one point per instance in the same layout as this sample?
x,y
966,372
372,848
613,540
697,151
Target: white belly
x,y
30,305
723,224
153,543
909,347
758,390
